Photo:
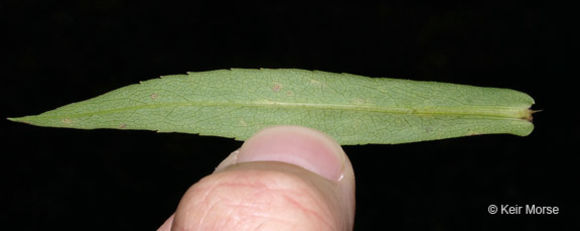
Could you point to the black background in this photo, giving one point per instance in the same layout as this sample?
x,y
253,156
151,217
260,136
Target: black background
x,y
57,52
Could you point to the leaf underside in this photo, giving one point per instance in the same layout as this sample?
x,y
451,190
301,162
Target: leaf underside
x,y
353,109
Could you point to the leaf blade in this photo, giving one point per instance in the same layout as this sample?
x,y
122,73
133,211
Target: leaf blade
x,y
351,108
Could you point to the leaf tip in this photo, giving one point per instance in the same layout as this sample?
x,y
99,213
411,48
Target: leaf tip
x,y
22,119
30,120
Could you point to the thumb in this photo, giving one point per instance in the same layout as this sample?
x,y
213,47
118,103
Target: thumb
x,y
282,178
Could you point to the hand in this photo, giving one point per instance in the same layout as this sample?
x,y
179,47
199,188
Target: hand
x,y
282,178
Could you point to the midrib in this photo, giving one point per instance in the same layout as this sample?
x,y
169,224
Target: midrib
x,y
484,111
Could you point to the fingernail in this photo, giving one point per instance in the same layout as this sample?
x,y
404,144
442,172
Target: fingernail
x,y
228,161
304,147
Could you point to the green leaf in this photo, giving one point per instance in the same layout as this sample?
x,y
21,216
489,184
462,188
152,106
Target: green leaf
x,y
353,109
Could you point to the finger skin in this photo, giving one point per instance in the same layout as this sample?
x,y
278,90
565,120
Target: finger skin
x,y
270,195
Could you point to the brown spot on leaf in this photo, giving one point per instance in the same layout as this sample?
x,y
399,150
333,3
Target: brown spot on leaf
x,y
154,96
243,123
122,126
276,87
471,133
358,101
67,121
